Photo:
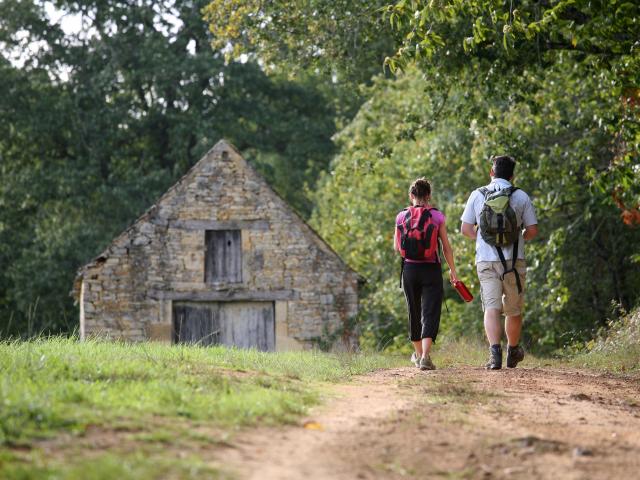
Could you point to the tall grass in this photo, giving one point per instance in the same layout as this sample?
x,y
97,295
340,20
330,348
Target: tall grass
x,y
615,349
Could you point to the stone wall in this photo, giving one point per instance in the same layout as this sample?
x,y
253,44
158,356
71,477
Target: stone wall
x,y
127,291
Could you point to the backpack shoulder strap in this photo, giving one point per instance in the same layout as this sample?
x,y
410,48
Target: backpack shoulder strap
x,y
407,219
512,189
484,191
424,216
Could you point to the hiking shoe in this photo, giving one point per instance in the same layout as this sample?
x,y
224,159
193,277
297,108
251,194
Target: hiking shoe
x,y
415,359
426,363
514,356
495,358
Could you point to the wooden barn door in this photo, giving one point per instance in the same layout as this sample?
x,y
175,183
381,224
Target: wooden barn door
x,y
196,323
240,324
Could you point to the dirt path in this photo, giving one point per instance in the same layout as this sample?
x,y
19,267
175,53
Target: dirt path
x,y
456,423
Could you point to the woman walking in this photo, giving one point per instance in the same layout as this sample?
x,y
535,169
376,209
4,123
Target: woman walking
x,y
419,229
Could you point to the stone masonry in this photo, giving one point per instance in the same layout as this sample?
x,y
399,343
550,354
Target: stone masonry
x,y
128,290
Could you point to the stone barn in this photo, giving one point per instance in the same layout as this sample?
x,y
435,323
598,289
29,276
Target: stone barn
x,y
219,259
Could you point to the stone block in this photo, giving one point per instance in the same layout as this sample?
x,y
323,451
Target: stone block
x,y
326,299
146,228
159,332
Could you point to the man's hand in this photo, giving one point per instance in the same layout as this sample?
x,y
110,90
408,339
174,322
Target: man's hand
x,y
453,277
468,230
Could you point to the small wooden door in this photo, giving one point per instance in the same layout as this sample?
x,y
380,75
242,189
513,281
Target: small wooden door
x,y
239,324
223,256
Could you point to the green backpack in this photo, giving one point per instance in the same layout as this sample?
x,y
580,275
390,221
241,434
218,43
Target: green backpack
x,y
499,226
498,222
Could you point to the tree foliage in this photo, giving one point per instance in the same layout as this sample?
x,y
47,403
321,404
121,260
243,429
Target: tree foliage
x,y
424,125
600,36
607,28
96,124
343,38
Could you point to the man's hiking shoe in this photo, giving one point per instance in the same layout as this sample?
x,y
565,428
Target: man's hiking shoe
x,y
514,356
495,358
415,359
426,363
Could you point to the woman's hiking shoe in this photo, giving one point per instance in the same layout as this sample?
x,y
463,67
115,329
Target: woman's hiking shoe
x,y
426,363
495,358
415,359
514,356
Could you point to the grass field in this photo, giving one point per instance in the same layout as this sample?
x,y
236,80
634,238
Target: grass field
x,y
164,394
140,411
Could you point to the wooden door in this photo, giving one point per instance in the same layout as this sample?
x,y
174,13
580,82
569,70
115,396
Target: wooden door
x,y
248,325
239,324
223,256
196,323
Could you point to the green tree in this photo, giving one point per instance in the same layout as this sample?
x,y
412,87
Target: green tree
x,y
523,30
415,126
96,125
346,39
600,37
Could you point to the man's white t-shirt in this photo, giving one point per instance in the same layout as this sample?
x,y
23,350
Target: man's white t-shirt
x,y
522,206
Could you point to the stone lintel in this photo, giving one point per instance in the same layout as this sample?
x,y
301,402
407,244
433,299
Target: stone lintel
x,y
224,296
214,224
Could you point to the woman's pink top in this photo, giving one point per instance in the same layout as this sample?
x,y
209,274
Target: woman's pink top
x,y
438,218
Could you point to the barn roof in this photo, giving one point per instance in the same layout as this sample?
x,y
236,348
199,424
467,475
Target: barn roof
x,y
221,146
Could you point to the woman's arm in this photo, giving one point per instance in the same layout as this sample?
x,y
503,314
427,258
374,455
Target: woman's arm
x,y
396,240
448,252
530,232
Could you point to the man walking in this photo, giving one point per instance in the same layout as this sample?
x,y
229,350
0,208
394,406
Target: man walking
x,y
501,211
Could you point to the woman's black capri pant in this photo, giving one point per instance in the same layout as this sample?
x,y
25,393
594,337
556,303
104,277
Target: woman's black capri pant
x,y
423,289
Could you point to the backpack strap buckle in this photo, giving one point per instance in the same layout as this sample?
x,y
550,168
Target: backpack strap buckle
x,y
513,265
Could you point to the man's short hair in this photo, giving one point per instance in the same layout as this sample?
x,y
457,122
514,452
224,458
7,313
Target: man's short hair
x,y
503,166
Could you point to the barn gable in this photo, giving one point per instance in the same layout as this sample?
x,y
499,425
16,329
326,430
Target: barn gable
x,y
219,248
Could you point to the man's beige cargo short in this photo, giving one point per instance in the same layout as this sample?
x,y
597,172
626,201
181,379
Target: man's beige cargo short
x,y
498,293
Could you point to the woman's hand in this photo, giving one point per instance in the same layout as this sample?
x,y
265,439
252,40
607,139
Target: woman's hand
x,y
453,277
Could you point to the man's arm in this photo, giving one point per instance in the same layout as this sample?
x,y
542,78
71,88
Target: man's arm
x,y
469,218
468,230
529,220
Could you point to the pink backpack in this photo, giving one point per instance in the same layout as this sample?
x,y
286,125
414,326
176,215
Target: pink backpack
x,y
418,234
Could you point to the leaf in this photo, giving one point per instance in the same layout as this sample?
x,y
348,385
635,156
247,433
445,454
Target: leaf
x,y
423,17
313,425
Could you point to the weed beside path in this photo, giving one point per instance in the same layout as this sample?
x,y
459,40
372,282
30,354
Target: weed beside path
x,y
155,394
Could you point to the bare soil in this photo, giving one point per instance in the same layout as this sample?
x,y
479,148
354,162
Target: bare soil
x,y
455,423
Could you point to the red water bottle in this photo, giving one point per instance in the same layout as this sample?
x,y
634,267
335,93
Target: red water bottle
x,y
463,291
